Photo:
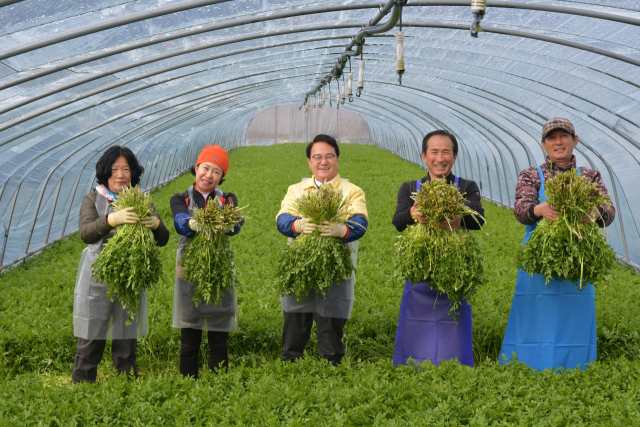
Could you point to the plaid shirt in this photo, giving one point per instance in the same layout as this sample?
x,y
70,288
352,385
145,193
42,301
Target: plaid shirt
x,y
529,184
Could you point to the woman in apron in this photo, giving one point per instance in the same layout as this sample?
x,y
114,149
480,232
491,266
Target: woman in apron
x,y
425,330
95,317
551,326
217,320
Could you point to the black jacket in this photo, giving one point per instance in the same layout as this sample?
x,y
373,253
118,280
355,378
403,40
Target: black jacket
x,y
402,218
179,202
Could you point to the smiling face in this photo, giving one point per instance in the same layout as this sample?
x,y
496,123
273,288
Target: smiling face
x,y
323,161
559,145
208,175
120,175
439,156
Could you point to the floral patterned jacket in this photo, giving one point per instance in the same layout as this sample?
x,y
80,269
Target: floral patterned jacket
x,y
529,184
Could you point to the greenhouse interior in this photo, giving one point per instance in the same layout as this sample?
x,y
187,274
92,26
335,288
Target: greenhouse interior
x,y
166,78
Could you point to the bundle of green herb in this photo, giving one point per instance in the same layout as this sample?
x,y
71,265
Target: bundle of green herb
x,y
129,262
313,262
569,249
208,259
449,261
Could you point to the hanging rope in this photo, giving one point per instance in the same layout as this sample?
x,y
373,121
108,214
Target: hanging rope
x,y
330,104
344,92
478,7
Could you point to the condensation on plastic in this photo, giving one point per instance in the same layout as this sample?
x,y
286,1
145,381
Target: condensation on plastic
x,y
494,92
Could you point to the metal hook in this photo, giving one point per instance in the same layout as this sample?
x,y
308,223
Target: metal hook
x,y
350,98
358,92
475,28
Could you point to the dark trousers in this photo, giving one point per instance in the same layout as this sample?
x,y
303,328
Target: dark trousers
x,y
297,330
190,342
89,354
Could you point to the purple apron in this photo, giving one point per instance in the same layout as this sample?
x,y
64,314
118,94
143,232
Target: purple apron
x,y
428,333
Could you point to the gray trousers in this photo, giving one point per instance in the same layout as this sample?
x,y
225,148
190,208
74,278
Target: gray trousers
x,y
89,354
297,330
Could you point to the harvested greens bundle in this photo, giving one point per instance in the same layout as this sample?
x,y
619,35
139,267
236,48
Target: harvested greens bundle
x,y
313,262
208,259
449,261
129,262
569,249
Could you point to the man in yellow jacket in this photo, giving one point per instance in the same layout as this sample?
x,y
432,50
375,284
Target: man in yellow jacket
x,y
331,311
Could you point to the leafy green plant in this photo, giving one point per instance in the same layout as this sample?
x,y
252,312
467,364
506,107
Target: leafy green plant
x,y
450,261
569,249
129,262
312,262
208,258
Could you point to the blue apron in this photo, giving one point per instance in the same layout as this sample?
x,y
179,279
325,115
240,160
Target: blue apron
x,y
550,326
428,333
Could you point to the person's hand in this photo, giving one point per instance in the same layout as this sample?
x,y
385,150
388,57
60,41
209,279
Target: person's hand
x,y
195,226
304,226
124,216
593,217
547,211
452,225
151,222
333,229
417,215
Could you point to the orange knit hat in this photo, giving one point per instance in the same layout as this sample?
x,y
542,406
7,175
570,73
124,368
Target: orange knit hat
x,y
214,154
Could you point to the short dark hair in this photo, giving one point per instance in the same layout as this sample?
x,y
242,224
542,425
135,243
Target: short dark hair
x,y
323,138
425,141
104,164
193,172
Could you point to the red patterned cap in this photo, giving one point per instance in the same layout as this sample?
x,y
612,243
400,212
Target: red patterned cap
x,y
558,123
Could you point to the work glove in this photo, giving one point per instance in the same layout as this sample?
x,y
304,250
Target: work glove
x,y
333,229
304,226
124,216
193,224
150,222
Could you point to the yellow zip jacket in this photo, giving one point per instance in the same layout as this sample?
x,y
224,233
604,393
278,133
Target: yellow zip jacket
x,y
353,195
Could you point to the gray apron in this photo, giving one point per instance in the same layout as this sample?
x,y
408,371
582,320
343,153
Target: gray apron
x,y
338,300
95,316
207,317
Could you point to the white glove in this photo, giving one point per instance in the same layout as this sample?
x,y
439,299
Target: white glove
x,y
333,229
304,226
193,224
150,222
125,216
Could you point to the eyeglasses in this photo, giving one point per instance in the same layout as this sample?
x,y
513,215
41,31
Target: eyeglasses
x,y
318,157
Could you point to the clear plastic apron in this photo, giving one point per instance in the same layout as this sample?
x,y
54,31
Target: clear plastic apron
x,y
208,317
95,316
339,298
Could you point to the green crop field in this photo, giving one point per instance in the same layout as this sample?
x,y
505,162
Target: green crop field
x,y
37,345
